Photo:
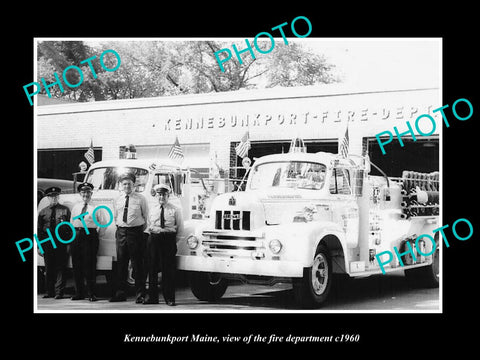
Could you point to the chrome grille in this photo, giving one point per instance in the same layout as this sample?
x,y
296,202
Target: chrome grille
x,y
219,243
232,220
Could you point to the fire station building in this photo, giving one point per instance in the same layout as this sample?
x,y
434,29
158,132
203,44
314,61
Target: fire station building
x,y
209,126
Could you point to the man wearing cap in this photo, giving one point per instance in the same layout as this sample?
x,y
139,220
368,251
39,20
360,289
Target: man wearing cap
x,y
131,213
85,246
55,258
164,221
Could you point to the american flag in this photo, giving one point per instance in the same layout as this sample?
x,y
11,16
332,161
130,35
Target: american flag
x,y
90,154
242,148
176,151
343,145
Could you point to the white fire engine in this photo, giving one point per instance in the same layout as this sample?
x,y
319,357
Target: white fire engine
x,y
306,217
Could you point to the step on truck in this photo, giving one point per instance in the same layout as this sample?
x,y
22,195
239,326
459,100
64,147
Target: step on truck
x,y
311,219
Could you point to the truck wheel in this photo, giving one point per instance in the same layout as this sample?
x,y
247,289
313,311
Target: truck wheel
x,y
313,289
207,286
425,276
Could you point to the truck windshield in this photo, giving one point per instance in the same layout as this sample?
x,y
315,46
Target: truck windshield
x,y
106,178
293,174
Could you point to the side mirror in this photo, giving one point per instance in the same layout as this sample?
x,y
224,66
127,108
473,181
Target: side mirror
x,y
367,165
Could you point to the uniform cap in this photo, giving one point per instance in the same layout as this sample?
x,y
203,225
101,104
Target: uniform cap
x,y
161,188
127,175
84,186
54,190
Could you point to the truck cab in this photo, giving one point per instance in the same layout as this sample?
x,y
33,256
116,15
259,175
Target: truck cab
x,y
303,218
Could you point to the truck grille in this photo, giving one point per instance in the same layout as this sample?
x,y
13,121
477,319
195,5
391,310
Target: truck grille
x,y
232,246
232,220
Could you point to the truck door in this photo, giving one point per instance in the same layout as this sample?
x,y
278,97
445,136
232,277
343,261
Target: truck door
x,y
344,204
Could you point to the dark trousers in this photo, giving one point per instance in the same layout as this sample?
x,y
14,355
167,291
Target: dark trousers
x,y
55,268
84,260
161,256
130,247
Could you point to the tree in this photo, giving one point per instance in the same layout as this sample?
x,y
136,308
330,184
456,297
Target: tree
x,y
296,66
202,66
159,68
55,57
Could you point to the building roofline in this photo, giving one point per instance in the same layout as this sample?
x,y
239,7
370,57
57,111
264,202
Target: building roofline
x,y
237,96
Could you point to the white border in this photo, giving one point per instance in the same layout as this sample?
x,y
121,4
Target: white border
x,y
230,311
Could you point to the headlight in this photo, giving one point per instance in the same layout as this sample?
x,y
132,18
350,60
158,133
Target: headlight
x,y
192,242
275,246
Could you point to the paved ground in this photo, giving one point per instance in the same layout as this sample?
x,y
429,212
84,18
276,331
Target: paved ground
x,y
376,293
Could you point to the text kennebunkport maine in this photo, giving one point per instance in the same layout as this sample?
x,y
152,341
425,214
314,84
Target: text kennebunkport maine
x,y
246,339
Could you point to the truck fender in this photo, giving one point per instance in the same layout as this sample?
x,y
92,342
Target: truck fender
x,y
332,236
192,227
308,236
329,234
336,245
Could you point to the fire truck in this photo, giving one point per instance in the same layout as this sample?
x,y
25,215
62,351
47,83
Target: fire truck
x,y
312,219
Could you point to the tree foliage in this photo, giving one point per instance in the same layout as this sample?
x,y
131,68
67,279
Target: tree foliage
x,y
55,56
159,68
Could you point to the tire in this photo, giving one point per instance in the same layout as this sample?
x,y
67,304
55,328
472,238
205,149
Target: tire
x,y
425,276
313,289
207,286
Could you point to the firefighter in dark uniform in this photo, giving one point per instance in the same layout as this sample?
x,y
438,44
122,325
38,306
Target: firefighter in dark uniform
x,y
165,220
85,246
55,258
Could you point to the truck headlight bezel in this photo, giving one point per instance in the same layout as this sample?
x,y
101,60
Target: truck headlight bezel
x,y
192,242
275,246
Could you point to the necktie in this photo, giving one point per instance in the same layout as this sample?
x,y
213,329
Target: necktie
x,y
125,209
84,209
162,218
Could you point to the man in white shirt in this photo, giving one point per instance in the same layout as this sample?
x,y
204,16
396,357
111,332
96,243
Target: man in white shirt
x,y
85,246
131,213
164,221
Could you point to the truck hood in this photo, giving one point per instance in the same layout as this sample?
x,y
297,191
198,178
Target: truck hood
x,y
281,205
267,207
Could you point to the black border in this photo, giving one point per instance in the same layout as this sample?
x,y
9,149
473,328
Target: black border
x,y
380,333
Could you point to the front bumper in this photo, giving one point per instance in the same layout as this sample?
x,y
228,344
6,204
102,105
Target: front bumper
x,y
225,265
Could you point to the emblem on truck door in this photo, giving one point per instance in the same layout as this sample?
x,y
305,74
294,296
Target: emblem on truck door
x,y
232,201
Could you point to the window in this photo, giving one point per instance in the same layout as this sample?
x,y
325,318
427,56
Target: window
x,y
293,174
106,178
340,182
173,181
